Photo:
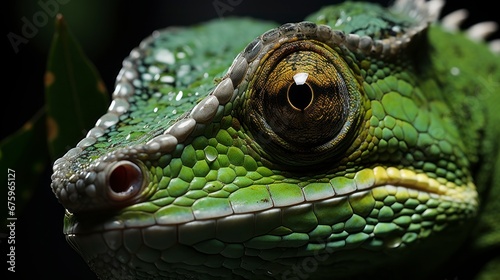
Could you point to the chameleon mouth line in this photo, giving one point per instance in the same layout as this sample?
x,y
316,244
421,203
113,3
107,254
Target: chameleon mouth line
x,y
422,182
389,179
409,179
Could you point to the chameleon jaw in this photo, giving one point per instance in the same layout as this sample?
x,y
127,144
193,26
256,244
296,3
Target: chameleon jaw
x,y
423,201
380,181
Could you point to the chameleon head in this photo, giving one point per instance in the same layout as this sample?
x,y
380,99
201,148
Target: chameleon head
x,y
316,152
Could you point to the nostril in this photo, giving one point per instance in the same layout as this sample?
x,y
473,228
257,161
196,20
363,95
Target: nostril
x,y
124,180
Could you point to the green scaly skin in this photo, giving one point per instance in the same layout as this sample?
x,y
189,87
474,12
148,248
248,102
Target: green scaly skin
x,y
214,165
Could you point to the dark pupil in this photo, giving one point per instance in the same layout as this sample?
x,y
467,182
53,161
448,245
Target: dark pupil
x,y
299,96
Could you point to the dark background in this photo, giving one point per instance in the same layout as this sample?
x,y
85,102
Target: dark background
x,y
107,31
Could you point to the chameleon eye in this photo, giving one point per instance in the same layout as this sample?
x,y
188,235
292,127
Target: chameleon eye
x,y
124,180
303,95
301,103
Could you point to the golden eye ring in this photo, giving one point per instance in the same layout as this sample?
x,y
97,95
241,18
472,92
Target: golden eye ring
x,y
301,103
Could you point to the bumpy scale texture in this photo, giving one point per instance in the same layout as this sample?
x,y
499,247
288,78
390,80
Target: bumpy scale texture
x,y
358,143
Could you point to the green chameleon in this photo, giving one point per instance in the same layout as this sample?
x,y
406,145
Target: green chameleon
x,y
360,143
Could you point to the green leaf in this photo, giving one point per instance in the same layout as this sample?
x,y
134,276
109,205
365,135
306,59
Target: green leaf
x,y
75,94
75,98
24,156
